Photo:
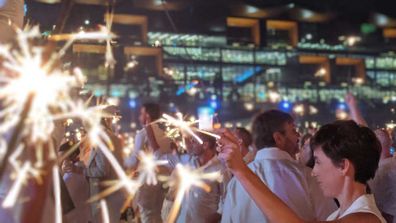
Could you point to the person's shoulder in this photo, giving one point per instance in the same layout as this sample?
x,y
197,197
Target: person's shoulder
x,y
361,217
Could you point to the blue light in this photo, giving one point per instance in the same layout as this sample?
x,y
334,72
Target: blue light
x,y
247,74
341,106
213,104
132,103
285,105
183,89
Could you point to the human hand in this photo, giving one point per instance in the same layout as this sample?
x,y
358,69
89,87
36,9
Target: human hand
x,y
69,167
229,151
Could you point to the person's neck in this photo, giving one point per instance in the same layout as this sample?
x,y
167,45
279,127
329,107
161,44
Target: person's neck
x,y
351,191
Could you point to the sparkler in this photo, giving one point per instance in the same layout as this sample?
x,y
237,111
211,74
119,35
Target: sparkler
x,y
188,178
12,195
105,211
148,168
58,206
36,92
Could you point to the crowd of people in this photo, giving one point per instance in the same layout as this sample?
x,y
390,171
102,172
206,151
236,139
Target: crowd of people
x,y
343,172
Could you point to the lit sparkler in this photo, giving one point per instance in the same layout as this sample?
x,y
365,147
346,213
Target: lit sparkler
x,y
12,195
148,168
104,211
58,205
187,178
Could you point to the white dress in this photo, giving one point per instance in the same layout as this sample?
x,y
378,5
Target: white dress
x,y
364,203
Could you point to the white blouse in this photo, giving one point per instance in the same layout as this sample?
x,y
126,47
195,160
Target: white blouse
x,y
364,203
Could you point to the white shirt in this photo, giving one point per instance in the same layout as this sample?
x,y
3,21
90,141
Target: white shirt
x,y
150,197
383,186
364,203
141,144
290,181
198,205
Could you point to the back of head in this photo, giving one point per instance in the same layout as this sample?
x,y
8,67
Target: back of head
x,y
244,135
153,110
347,140
207,139
265,124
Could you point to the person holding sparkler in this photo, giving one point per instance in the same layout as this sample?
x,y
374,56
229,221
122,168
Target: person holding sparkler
x,y
199,205
275,136
76,184
96,168
346,157
151,138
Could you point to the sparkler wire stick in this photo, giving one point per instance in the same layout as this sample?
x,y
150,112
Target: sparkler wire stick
x,y
56,184
15,135
104,211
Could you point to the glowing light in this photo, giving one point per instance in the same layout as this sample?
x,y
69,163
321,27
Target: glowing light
x,y
340,114
358,80
390,125
249,106
186,178
105,211
29,75
181,124
57,192
312,110
273,96
299,109
12,195
285,105
148,168
321,72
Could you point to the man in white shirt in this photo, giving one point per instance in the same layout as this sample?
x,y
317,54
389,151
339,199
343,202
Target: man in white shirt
x,y
383,184
151,138
247,149
276,138
200,206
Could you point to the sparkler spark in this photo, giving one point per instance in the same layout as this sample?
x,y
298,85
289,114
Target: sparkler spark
x,y
12,195
188,178
148,168
104,211
25,74
181,124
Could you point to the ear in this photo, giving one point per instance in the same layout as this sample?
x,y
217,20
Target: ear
x,y
345,167
278,137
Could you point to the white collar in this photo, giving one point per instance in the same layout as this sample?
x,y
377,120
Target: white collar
x,y
272,153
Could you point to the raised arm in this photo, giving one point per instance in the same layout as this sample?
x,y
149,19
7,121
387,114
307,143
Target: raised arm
x,y
354,110
273,207
269,204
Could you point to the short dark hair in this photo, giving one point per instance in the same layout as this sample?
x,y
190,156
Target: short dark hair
x,y
152,109
207,138
347,140
245,135
265,124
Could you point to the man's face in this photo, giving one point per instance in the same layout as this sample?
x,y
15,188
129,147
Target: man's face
x,y
143,116
290,138
193,147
